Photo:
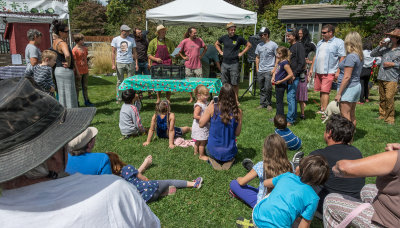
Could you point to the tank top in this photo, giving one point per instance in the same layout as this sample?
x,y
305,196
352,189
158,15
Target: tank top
x,y
61,58
221,140
162,127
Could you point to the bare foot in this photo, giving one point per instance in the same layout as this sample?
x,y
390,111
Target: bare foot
x,y
204,158
147,161
190,101
195,153
158,101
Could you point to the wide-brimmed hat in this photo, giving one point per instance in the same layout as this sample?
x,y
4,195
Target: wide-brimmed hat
x,y
395,33
160,27
33,126
83,139
230,24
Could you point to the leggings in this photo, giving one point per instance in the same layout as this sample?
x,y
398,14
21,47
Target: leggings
x,y
163,186
337,207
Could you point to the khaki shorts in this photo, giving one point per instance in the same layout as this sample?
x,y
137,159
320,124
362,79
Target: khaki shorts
x,y
198,73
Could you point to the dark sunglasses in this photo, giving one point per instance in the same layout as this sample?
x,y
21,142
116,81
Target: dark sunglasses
x,y
325,32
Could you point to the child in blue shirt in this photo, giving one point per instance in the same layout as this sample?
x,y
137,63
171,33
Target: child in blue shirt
x,y
293,142
292,196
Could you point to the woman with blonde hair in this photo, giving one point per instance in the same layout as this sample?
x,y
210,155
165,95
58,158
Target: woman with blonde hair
x,y
349,87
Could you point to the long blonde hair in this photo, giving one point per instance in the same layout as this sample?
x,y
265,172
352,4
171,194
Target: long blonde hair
x,y
353,44
285,53
275,158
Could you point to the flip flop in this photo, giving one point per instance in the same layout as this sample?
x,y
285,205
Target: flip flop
x,y
198,182
245,223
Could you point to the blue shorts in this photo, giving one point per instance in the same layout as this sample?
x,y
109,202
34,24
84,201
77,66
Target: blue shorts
x,y
178,133
351,94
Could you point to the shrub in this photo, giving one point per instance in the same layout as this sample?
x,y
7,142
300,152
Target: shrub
x,y
101,58
344,28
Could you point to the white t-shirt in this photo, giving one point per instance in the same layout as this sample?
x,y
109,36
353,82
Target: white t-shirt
x,y
124,48
322,54
76,201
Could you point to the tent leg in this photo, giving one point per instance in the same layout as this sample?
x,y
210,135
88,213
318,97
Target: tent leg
x,y
69,35
242,70
252,66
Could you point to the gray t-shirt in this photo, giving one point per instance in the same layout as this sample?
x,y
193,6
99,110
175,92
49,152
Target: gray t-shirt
x,y
266,53
129,120
31,51
351,60
124,48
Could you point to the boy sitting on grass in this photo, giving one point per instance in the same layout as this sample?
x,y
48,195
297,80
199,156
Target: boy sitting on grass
x,y
130,123
292,195
42,72
293,142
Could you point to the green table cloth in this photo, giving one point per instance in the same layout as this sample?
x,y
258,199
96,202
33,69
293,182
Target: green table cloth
x,y
145,83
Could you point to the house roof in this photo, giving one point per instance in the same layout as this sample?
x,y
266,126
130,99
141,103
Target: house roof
x,y
314,12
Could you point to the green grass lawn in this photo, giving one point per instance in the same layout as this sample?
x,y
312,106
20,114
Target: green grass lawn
x,y
211,206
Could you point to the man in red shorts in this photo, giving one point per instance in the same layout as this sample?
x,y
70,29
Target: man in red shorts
x,y
330,51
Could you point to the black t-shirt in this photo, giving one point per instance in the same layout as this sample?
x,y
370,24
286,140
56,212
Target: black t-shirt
x,y
141,49
231,48
346,186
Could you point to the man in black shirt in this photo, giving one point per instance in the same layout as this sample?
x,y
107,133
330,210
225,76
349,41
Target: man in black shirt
x,y
338,136
231,55
141,48
297,63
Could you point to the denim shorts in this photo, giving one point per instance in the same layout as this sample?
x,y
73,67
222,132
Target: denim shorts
x,y
351,94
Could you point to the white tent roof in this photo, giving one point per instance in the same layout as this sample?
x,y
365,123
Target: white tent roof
x,y
210,12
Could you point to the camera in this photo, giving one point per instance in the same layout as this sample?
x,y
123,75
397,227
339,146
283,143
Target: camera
x,y
215,98
303,77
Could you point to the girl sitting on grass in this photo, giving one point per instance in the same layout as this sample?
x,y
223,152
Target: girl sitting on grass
x,y
200,135
275,162
282,73
164,120
151,190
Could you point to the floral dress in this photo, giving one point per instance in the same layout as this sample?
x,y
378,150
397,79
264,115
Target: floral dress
x,y
145,188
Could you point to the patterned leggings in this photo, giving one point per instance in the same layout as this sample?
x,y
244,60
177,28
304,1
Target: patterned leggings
x,y
338,206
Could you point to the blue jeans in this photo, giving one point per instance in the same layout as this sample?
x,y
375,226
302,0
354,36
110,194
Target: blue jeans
x,y
143,70
291,100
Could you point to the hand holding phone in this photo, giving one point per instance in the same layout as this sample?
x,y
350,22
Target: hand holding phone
x,y
215,99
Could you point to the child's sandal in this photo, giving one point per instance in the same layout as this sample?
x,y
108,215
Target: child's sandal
x,y
198,182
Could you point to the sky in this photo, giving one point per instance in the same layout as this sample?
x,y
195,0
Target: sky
x,y
103,2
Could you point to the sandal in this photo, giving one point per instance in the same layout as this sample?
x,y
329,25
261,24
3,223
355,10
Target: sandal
x,y
245,223
323,117
233,195
198,182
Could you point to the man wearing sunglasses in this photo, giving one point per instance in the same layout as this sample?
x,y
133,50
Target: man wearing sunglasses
x,y
330,51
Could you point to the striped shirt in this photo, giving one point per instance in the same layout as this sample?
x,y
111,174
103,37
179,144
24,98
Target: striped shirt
x,y
42,76
293,142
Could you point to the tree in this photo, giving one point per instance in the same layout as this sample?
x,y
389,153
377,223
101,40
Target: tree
x,y
73,3
372,12
89,18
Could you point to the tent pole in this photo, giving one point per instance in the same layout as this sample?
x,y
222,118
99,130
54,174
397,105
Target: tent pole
x,y
69,29
242,71
252,67
146,25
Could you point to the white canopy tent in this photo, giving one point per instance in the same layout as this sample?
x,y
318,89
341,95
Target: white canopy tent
x,y
203,12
